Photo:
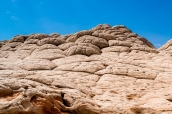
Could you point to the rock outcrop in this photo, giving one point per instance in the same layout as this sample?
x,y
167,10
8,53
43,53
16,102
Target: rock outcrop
x,y
105,70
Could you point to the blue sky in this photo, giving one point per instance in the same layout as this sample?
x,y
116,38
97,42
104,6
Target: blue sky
x,y
151,19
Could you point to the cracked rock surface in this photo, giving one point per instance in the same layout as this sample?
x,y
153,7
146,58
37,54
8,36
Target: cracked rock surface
x,y
104,70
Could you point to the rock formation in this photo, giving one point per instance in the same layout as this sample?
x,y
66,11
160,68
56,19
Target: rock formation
x,y
105,70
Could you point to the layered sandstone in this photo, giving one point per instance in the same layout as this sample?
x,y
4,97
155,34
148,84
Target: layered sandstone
x,y
105,70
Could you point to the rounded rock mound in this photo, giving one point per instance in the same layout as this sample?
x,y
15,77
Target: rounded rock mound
x,y
167,48
104,70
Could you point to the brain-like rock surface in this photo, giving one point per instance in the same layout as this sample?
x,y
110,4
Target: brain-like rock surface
x,y
105,70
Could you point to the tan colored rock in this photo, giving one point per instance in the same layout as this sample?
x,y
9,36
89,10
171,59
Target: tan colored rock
x,y
101,27
11,46
31,41
74,37
107,36
65,46
71,59
82,48
3,43
55,41
37,36
119,43
99,42
143,48
166,48
116,49
36,64
54,35
19,39
90,67
105,70
49,54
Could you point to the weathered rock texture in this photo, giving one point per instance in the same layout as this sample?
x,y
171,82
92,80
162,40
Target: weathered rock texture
x,y
105,70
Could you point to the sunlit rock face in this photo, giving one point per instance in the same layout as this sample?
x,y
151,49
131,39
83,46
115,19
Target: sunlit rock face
x,y
104,70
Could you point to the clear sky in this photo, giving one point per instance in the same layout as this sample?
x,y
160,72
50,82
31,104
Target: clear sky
x,y
151,19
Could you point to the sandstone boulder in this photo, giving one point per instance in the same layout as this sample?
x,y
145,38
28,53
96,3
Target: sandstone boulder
x,y
105,70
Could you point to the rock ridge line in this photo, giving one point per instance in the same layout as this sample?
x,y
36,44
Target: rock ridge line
x,y
104,70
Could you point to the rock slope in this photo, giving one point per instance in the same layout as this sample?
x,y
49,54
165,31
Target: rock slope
x,y
105,70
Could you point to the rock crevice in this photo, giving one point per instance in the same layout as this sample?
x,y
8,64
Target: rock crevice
x,y
104,70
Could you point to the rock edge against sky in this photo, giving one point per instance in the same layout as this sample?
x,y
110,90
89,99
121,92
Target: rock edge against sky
x,y
105,70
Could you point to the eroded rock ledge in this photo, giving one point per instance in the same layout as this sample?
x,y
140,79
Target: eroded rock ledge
x,y
105,70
